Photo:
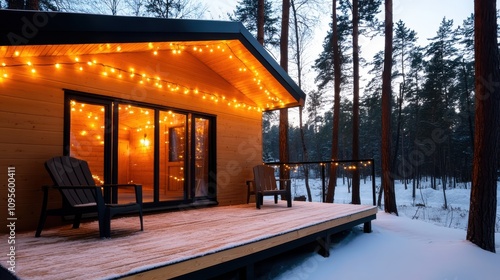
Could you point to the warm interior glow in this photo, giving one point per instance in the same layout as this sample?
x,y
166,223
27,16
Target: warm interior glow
x,y
144,141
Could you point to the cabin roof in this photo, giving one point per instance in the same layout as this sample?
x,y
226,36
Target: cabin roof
x,y
227,48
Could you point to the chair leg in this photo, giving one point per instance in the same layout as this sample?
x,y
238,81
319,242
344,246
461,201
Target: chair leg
x,y
258,200
248,193
288,196
43,213
140,217
105,225
76,221
41,223
275,199
102,214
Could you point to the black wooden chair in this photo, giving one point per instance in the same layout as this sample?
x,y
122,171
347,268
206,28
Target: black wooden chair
x,y
265,185
73,179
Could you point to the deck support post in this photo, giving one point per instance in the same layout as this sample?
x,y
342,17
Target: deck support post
x,y
367,228
247,272
324,245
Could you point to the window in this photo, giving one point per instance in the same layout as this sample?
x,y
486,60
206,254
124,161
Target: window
x,y
169,152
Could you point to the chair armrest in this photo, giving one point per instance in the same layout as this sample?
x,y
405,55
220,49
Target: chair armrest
x,y
119,185
70,187
286,181
137,188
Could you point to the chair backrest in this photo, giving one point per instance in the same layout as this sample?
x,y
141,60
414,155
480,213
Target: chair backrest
x,y
264,178
68,171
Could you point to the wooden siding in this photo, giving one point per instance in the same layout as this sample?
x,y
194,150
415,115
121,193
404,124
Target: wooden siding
x,y
31,125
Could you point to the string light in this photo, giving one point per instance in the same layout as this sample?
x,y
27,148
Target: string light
x,y
110,71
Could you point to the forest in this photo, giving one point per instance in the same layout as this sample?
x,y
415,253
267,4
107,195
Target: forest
x,y
412,108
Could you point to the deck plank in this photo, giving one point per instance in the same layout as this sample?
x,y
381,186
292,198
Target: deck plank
x,y
173,243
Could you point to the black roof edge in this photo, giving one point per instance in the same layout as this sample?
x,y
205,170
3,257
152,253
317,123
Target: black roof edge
x,y
20,27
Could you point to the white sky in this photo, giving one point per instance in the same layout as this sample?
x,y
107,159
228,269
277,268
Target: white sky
x,y
423,16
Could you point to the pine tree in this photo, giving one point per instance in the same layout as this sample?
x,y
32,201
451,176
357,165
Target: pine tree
x,y
247,12
283,124
439,103
387,178
337,65
175,9
362,11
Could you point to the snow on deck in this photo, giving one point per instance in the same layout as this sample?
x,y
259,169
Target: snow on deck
x,y
168,238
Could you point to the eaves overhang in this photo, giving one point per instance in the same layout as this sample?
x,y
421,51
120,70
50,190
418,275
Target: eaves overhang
x,y
21,29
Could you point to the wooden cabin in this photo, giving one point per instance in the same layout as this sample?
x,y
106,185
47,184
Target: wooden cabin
x,y
174,105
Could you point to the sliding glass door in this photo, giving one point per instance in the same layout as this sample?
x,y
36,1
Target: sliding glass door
x,y
170,153
89,138
202,156
136,144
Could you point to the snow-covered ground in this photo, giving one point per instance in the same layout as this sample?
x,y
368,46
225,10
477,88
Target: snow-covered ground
x,y
424,242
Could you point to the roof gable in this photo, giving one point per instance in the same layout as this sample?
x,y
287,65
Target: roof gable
x,y
226,48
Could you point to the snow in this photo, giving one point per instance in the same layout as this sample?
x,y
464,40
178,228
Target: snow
x,y
422,243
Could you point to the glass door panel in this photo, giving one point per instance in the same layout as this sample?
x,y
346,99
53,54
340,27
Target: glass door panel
x,y
201,156
87,123
172,152
135,151
169,153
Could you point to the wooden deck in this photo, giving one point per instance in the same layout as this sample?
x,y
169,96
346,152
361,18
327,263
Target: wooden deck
x,y
185,243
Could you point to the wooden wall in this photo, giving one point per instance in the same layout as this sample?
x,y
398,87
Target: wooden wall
x,y
31,129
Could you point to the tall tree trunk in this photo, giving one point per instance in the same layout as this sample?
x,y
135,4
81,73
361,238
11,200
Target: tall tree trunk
x,y
260,22
283,126
336,106
355,100
444,179
483,201
416,167
305,154
398,128
387,179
